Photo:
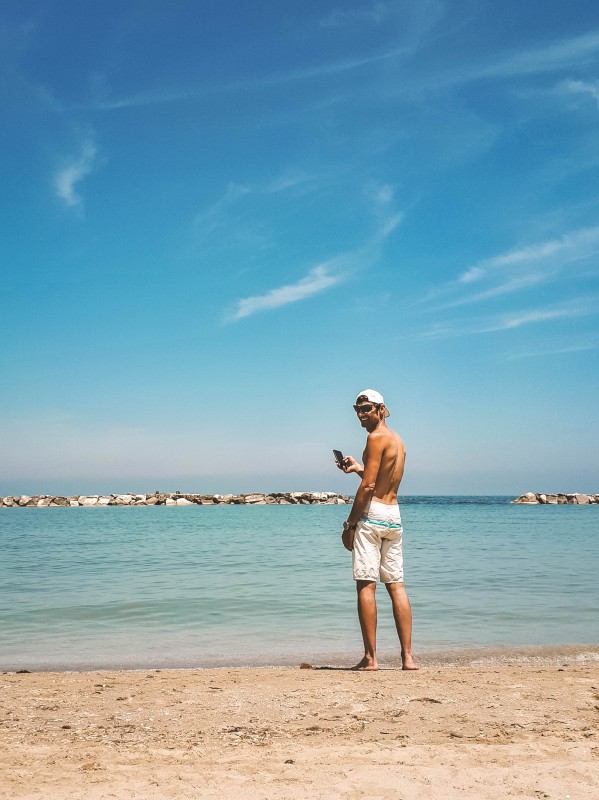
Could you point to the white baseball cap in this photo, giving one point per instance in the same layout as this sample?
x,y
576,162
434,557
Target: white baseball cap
x,y
373,397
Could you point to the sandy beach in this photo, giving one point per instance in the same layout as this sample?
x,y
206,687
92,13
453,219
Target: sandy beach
x,y
523,730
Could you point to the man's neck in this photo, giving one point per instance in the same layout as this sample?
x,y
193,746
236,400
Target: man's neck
x,y
380,424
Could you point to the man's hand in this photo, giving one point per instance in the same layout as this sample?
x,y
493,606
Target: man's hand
x,y
347,537
351,465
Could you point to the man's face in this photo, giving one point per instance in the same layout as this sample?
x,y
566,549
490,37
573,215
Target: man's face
x,y
368,413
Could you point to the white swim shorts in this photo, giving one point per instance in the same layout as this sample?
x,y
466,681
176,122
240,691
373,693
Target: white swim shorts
x,y
378,549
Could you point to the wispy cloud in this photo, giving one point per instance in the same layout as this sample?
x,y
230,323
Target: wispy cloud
x,y
318,280
257,82
516,270
381,197
511,321
384,194
581,347
574,246
236,209
234,192
569,53
577,307
210,218
74,171
565,53
509,286
289,180
583,87
376,12
389,225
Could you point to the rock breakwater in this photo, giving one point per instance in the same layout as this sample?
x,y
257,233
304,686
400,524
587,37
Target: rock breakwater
x,y
536,498
173,499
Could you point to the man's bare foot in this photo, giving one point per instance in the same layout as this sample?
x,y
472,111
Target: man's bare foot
x,y
407,662
367,664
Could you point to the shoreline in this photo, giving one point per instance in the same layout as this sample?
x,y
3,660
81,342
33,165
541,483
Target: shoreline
x,y
468,733
447,658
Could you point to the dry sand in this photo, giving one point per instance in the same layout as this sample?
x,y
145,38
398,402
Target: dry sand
x,y
523,731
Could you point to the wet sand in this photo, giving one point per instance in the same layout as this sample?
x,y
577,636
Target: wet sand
x,y
498,731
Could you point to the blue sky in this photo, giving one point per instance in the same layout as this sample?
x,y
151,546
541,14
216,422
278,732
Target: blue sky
x,y
221,220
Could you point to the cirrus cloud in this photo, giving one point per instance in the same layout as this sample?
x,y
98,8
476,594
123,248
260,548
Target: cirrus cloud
x,y
74,171
317,280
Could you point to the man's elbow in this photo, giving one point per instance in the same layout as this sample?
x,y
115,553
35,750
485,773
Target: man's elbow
x,y
368,488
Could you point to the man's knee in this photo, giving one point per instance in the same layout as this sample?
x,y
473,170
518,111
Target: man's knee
x,y
365,586
395,587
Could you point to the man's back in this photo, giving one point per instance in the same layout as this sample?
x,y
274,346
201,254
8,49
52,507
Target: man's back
x,y
392,464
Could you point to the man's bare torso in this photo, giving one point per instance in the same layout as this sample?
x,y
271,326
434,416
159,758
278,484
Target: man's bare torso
x,y
391,468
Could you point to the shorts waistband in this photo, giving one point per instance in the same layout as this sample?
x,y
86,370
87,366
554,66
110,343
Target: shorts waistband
x,y
384,514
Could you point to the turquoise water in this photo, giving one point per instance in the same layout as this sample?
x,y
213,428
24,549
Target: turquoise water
x,y
219,585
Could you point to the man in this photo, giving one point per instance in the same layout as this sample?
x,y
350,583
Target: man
x,y
373,530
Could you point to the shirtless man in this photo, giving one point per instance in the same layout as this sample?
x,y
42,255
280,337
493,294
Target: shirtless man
x,y
373,530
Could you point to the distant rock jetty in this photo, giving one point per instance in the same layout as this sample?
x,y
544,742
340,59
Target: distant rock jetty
x,y
536,498
175,499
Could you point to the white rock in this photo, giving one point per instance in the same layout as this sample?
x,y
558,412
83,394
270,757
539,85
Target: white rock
x,y
183,501
170,502
124,499
254,498
528,498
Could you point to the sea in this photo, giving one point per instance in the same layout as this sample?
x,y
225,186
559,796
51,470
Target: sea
x,y
242,585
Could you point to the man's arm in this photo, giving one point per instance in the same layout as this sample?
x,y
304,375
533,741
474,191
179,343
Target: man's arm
x,y
375,447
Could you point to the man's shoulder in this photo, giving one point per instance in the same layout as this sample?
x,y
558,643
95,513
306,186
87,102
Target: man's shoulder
x,y
384,437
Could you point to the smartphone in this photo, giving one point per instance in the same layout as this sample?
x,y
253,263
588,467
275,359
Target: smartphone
x,y
339,457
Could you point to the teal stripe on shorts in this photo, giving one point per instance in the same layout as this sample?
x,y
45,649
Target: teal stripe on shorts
x,y
380,522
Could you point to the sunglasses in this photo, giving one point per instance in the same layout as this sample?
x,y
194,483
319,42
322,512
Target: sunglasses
x,y
365,407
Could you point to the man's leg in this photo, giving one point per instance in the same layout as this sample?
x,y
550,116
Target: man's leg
x,y
367,616
402,614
